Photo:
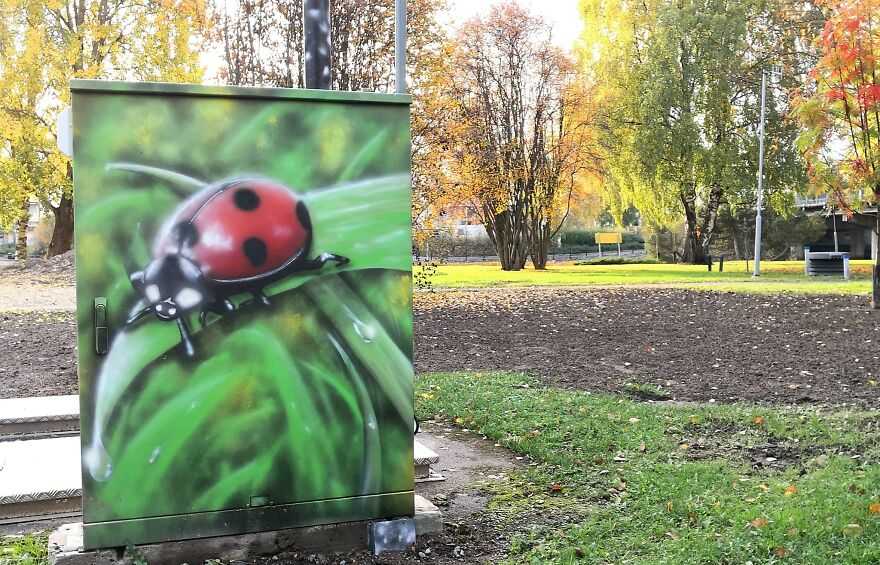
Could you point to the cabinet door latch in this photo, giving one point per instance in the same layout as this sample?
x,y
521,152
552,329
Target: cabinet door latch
x,y
102,332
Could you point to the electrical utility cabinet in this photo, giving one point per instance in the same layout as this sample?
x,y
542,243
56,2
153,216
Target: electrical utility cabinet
x,y
244,309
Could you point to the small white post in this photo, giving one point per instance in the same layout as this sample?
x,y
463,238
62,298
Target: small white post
x,y
846,267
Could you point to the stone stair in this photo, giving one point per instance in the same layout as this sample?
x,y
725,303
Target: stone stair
x,y
39,479
42,416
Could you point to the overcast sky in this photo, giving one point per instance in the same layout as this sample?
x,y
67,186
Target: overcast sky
x,y
561,14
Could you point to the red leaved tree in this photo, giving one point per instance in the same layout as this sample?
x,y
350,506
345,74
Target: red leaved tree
x,y
840,110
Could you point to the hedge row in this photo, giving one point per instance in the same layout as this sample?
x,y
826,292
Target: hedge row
x,y
588,237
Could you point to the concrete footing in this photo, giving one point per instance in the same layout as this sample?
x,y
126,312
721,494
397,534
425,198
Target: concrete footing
x,y
65,543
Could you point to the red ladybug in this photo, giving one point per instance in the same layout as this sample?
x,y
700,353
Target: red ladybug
x,y
232,237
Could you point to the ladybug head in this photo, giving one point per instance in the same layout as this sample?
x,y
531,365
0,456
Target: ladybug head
x,y
172,285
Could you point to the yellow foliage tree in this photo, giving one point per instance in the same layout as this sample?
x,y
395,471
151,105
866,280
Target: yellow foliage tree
x,y
519,136
45,43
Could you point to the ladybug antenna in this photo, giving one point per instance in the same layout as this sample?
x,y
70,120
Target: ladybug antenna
x,y
184,184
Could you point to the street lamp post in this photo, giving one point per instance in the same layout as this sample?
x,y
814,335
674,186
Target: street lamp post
x,y
400,46
316,40
759,206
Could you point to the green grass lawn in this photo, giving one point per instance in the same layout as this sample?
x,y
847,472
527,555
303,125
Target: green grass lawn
x,y
31,549
777,276
632,482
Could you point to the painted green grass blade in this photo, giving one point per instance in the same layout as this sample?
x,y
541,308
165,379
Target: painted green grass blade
x,y
369,340
366,156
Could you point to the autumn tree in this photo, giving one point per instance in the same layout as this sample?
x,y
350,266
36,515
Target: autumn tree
x,y
840,111
513,152
45,43
678,85
564,152
262,41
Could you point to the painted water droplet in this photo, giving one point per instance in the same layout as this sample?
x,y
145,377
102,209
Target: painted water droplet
x,y
371,423
366,331
155,455
97,461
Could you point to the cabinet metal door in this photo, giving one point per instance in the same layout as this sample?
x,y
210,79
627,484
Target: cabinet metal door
x,y
244,308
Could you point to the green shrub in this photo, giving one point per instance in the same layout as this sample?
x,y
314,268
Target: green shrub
x,y
615,260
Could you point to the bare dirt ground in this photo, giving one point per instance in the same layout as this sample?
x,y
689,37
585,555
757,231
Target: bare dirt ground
x,y
651,343
37,327
38,285
687,345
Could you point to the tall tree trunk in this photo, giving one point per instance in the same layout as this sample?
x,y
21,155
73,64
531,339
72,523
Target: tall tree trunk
x,y
692,247
540,245
509,240
736,245
62,233
875,271
710,219
21,232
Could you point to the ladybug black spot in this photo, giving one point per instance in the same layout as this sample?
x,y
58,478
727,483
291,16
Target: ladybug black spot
x,y
255,250
302,214
246,199
186,234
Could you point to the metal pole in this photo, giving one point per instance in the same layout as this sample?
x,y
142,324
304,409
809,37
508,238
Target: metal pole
x,y
400,46
834,221
760,204
316,43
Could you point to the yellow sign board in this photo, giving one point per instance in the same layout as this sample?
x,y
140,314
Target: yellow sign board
x,y
609,237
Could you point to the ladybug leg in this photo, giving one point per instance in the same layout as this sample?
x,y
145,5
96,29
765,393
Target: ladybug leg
x,y
137,280
260,297
325,258
184,337
219,307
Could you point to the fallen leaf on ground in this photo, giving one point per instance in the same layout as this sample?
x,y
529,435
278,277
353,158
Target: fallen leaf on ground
x,y
790,490
759,522
874,508
852,530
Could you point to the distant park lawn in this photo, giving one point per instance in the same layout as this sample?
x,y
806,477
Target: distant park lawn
x,y
777,276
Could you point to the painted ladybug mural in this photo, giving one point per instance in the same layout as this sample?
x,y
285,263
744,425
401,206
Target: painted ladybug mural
x,y
232,237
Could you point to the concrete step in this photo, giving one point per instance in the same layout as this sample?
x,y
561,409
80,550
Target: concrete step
x,y
40,416
423,458
39,479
